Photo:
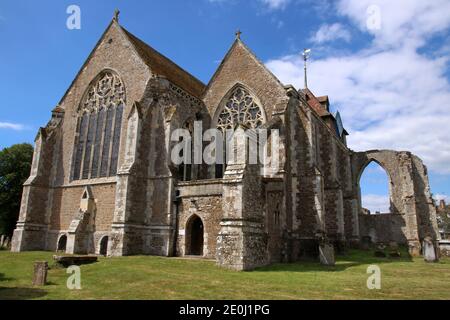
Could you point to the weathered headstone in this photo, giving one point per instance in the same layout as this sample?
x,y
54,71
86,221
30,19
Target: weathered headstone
x,y
326,254
40,273
395,254
6,243
429,251
366,243
394,250
379,252
393,246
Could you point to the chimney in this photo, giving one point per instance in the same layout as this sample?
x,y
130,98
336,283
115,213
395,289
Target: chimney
x,y
442,205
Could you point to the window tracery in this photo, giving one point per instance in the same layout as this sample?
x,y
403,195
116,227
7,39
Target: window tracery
x,y
99,127
240,108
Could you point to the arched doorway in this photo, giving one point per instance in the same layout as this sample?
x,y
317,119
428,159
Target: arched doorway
x,y
104,246
62,243
194,236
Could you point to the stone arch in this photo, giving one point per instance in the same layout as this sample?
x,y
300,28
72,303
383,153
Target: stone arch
x,y
195,236
61,245
387,160
103,246
412,216
388,175
99,128
240,106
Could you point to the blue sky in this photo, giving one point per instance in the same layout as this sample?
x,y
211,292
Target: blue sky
x,y
389,77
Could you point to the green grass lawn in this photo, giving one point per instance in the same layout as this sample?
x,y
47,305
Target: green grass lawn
x,y
145,277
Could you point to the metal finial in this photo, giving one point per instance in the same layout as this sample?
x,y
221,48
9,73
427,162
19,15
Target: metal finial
x,y
238,34
306,54
116,15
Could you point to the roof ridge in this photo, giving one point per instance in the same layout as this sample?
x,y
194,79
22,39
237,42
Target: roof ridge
x,y
141,46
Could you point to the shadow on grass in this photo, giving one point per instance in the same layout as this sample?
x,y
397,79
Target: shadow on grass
x,y
2,278
12,293
353,258
21,293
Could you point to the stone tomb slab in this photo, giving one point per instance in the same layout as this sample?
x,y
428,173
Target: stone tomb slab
x,y
67,261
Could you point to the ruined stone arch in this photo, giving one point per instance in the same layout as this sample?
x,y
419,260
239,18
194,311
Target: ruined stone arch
x,y
99,128
412,213
388,175
194,236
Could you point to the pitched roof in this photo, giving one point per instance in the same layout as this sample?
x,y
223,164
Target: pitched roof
x,y
315,103
239,43
161,65
323,99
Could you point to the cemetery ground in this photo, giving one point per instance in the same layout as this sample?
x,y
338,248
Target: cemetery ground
x,y
145,277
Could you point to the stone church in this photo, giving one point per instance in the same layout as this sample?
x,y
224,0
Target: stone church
x,y
102,180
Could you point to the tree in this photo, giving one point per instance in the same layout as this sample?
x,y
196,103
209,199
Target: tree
x,y
15,167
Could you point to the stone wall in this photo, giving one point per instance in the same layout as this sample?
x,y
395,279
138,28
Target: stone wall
x,y
202,199
383,228
409,195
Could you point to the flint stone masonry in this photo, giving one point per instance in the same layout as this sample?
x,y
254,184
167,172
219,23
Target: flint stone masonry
x,y
250,216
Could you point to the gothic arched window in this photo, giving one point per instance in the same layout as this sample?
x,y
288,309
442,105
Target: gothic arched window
x,y
240,108
99,126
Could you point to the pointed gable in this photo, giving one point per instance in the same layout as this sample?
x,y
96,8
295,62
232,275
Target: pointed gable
x,y
162,66
115,52
241,66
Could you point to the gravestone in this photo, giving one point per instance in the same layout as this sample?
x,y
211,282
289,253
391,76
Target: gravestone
x,y
393,246
326,254
366,242
379,252
395,254
429,251
40,273
394,250
6,243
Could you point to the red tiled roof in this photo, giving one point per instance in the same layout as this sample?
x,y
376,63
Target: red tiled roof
x,y
315,103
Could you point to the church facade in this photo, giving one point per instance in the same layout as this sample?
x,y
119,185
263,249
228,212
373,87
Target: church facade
x,y
102,179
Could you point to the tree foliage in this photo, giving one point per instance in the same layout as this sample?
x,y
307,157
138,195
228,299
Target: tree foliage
x,y
15,166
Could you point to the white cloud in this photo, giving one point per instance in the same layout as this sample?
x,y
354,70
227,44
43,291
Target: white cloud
x,y
12,126
269,4
439,197
402,21
276,4
376,203
390,95
331,32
